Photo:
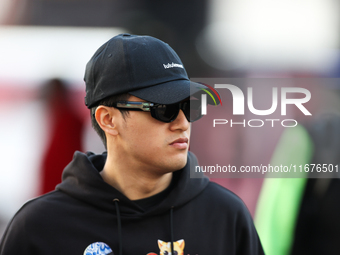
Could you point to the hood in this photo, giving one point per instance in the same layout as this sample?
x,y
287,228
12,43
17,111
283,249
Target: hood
x,y
82,181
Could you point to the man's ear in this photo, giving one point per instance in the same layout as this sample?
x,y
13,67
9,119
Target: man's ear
x,y
106,118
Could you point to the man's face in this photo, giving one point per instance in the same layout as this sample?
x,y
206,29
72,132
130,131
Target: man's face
x,y
154,145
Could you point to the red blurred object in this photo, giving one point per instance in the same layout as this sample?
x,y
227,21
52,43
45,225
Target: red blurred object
x,y
65,134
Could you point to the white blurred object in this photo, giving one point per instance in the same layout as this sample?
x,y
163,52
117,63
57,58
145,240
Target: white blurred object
x,y
271,35
23,137
32,54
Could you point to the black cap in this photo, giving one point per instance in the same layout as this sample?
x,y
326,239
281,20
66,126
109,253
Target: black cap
x,y
142,66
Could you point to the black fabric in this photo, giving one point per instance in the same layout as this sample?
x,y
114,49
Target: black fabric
x,y
318,225
201,217
147,203
119,225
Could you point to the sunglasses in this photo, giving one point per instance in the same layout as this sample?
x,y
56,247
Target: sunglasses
x,y
165,112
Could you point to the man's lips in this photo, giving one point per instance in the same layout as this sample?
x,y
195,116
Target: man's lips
x,y
180,143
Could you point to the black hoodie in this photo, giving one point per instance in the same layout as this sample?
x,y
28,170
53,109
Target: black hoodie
x,y
85,215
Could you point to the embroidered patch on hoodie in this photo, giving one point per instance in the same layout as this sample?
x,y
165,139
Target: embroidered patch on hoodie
x,y
98,248
165,248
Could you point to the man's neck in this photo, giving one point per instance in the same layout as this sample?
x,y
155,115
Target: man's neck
x,y
134,183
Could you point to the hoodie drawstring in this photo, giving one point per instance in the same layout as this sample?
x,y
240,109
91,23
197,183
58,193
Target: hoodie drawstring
x,y
116,200
172,229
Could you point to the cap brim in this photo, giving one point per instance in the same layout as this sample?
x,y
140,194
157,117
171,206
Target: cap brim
x,y
173,92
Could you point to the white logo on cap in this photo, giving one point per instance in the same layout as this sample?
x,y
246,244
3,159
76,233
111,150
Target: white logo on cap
x,y
172,65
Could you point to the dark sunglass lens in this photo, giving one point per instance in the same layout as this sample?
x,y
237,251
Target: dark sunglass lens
x,y
192,110
166,113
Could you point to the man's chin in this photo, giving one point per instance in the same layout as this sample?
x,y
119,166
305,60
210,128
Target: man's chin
x,y
179,164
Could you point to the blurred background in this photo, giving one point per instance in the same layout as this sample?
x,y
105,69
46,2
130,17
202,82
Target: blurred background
x,y
45,45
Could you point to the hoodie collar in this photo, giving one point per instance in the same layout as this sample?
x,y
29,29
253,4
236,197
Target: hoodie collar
x,y
82,181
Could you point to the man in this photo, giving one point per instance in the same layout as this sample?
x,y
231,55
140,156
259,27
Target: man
x,y
138,198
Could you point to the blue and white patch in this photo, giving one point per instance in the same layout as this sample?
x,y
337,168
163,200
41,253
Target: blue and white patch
x,y
98,248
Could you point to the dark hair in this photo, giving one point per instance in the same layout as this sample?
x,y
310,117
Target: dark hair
x,y
109,101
